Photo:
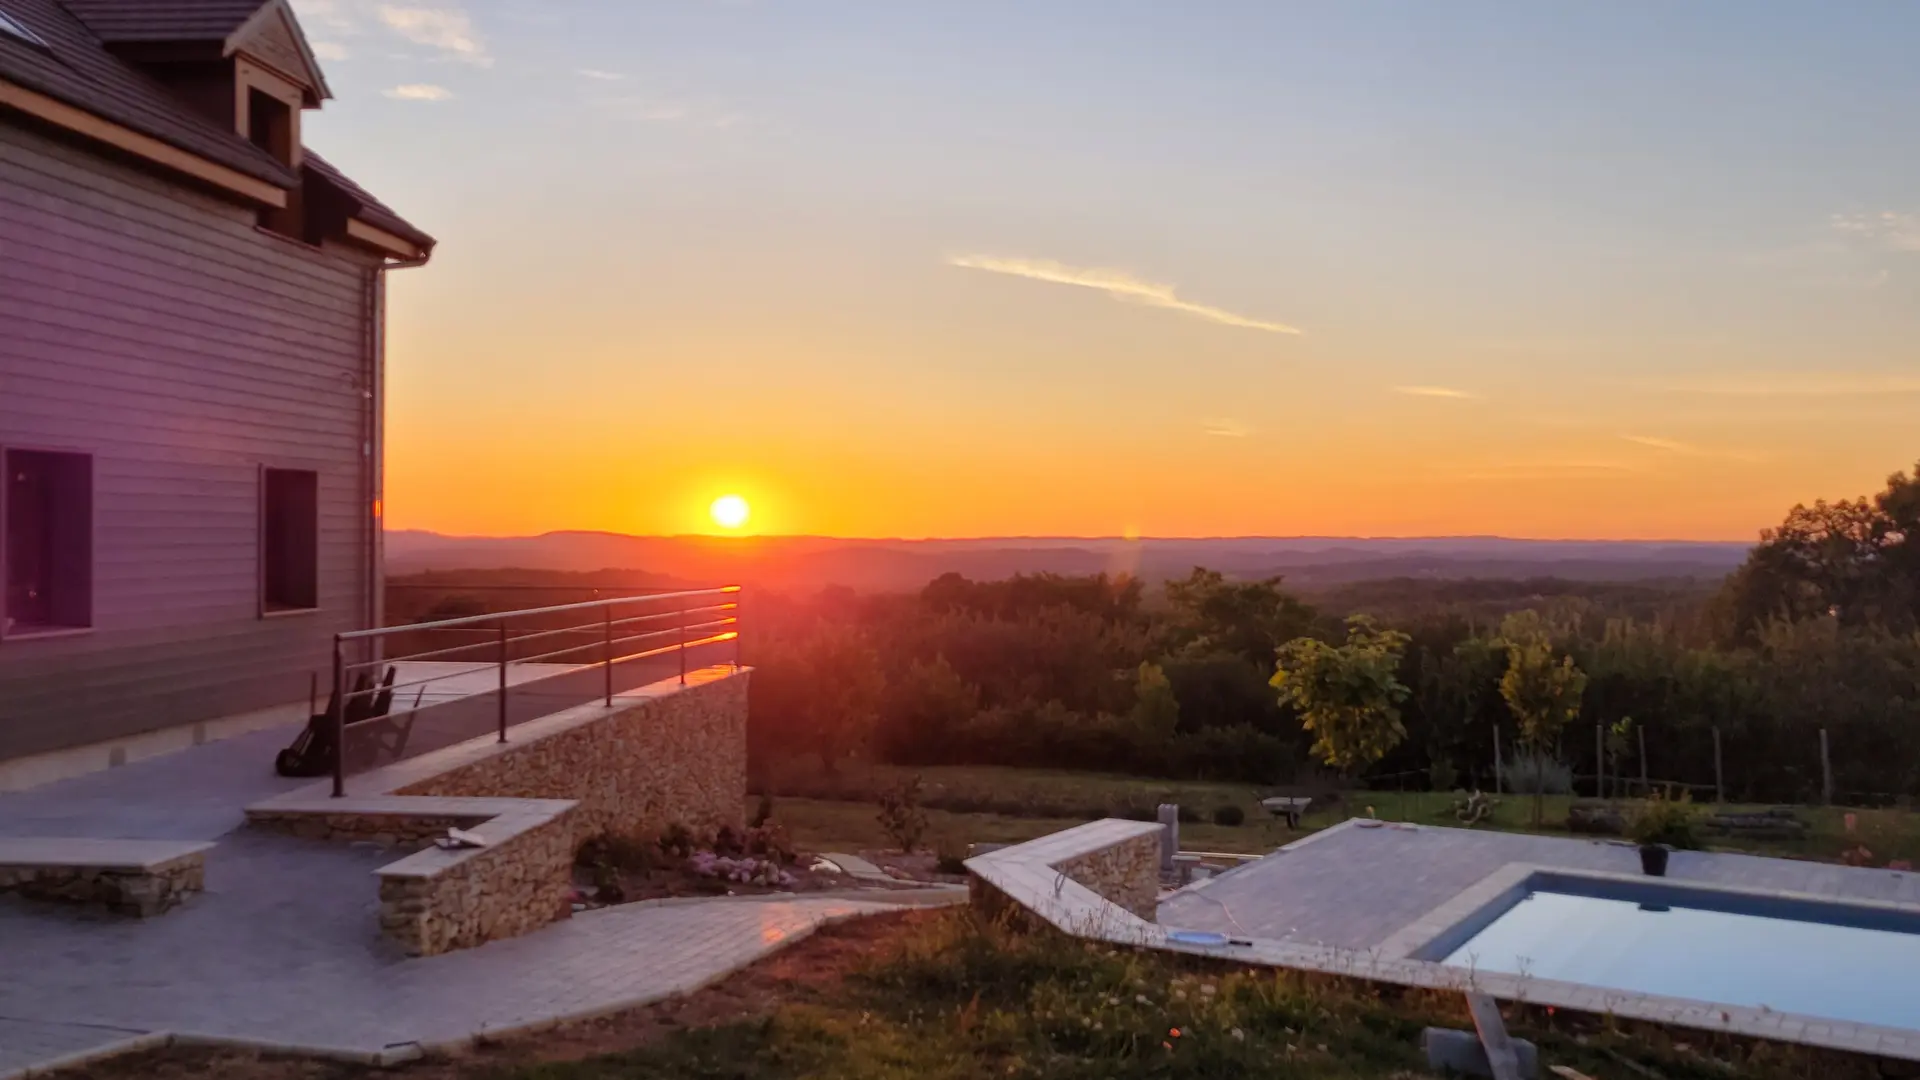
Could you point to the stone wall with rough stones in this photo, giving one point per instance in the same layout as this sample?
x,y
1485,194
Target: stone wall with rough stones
x,y
385,830
141,893
1127,873
438,901
679,758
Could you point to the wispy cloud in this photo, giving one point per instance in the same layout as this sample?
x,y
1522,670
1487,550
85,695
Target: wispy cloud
x,y
596,73
1686,449
1888,228
1224,428
1540,470
1117,284
448,29
1436,392
419,92
1811,384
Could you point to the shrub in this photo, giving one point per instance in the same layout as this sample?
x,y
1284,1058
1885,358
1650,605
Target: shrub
x,y
762,813
1229,815
617,851
1664,821
678,841
901,815
950,854
771,842
1537,774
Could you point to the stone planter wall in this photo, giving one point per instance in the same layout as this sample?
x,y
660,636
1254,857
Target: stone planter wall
x,y
1126,872
439,900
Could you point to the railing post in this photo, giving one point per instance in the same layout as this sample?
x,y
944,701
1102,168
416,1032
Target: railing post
x,y
683,646
737,597
606,651
503,680
339,720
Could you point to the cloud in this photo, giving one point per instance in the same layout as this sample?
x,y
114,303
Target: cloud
x,y
445,28
1675,446
1436,392
419,92
596,73
329,50
1811,384
1541,470
1224,428
1115,283
1889,228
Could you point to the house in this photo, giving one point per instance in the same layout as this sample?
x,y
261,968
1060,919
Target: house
x,y
191,334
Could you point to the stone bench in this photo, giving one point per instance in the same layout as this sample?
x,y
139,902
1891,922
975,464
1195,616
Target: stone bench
x,y
128,877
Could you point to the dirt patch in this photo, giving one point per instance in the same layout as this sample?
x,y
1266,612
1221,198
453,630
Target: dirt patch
x,y
811,969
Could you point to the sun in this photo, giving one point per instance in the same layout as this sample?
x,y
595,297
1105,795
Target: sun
x,y
730,511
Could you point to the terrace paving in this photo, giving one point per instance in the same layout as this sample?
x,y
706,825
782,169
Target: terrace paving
x,y
1353,888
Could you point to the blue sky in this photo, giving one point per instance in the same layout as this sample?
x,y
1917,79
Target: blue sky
x,y
1623,269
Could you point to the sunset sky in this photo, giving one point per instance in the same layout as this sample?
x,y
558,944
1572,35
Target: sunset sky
x,y
1631,269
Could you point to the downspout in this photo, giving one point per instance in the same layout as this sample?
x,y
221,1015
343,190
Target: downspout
x,y
373,446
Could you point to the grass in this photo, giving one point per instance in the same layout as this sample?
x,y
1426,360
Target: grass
x,y
989,804
949,996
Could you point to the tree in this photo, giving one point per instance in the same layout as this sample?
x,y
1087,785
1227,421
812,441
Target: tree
x,y
924,709
822,691
1156,712
1855,560
1347,695
1542,689
1246,618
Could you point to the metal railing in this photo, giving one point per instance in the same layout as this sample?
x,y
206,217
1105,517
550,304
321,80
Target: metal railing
x,y
691,620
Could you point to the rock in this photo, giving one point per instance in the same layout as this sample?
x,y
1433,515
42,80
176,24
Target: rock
x,y
1596,819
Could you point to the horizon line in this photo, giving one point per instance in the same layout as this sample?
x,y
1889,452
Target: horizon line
x,y
1067,538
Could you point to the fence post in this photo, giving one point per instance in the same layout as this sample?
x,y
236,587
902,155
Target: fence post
x,y
339,720
737,598
503,680
1719,776
1644,788
606,651
1498,786
1599,761
1826,771
683,647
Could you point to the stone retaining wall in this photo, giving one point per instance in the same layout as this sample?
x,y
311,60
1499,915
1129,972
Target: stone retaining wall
x,y
1126,873
441,900
142,892
679,758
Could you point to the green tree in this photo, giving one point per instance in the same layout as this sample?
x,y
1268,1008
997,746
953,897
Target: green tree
x,y
1156,711
1347,695
1542,689
1246,618
822,691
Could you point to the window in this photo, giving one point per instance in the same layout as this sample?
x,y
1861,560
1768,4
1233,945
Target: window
x,y
47,505
270,125
15,28
289,540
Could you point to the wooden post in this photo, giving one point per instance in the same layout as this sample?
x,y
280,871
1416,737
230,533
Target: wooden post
x,y
1599,761
1498,784
1826,771
1719,776
1643,760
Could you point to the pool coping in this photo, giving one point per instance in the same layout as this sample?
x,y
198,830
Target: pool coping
x,y
1025,874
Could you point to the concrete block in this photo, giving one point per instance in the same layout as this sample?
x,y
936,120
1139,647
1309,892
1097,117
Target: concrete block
x,y
1460,1052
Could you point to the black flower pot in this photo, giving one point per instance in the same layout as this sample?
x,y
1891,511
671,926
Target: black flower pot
x,y
1653,860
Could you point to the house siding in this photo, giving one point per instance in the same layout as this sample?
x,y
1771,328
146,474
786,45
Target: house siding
x,y
155,328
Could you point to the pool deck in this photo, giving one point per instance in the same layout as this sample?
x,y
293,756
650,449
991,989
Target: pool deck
x,y
1356,888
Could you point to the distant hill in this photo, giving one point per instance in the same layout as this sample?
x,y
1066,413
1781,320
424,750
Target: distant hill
x,y
810,562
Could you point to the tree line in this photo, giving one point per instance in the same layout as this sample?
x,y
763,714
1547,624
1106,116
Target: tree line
x,y
1209,677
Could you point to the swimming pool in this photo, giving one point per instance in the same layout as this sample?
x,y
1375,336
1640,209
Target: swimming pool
x,y
1838,961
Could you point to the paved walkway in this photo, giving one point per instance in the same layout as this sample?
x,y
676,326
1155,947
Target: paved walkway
x,y
1355,887
284,946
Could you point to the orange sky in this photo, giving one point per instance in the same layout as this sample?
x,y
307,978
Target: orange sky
x,y
1180,276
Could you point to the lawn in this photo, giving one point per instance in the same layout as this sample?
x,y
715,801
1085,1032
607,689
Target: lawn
x,y
944,996
986,804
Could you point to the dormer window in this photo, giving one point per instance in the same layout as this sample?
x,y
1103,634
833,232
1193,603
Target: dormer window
x,y
12,27
270,125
